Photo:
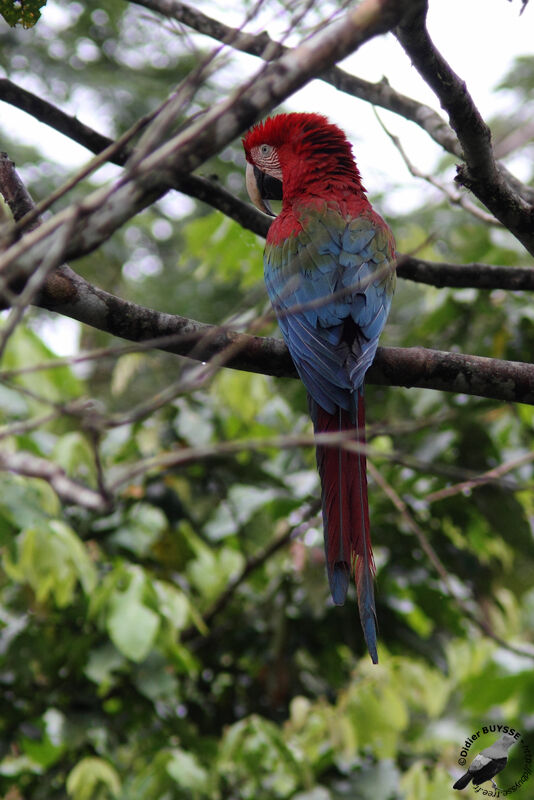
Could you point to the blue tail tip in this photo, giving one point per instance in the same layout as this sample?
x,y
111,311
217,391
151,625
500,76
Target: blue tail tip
x,y
338,578
369,632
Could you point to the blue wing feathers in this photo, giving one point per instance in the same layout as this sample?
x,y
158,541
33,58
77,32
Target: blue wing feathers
x,y
319,279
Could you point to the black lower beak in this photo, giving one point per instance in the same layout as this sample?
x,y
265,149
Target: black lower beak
x,y
269,188
261,188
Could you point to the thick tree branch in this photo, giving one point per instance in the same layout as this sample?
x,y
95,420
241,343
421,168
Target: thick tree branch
x,y
71,296
480,173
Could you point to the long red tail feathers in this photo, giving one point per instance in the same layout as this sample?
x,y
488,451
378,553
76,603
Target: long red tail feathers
x,y
346,514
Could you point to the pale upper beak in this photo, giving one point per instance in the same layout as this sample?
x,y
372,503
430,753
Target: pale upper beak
x,y
253,190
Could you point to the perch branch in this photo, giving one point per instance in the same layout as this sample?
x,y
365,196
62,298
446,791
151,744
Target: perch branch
x,y
395,366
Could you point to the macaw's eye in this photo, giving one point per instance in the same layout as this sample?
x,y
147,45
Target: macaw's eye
x,y
265,149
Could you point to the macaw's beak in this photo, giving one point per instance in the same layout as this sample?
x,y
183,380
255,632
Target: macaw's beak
x,y
261,188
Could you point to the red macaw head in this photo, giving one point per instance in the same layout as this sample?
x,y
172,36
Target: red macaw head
x,y
290,154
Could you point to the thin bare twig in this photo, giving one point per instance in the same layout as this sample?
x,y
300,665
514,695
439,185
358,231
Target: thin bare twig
x,y
19,428
68,490
453,195
342,439
476,275
481,480
515,139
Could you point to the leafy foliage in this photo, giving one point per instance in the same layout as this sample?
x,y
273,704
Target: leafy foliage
x,y
23,12
163,650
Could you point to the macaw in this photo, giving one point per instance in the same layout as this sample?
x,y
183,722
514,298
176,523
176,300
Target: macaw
x,y
329,267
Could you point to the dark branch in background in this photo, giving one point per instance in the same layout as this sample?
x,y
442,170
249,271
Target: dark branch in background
x,y
69,294
480,173
378,94
53,117
262,46
473,276
523,6
481,276
440,274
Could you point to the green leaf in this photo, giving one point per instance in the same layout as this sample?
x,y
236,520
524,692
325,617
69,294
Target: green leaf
x,y
131,624
103,665
173,604
73,453
25,503
155,680
317,793
25,12
12,403
93,779
51,559
25,348
421,783
211,570
193,425
125,370
225,250
254,755
142,527
11,766
241,505
185,769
